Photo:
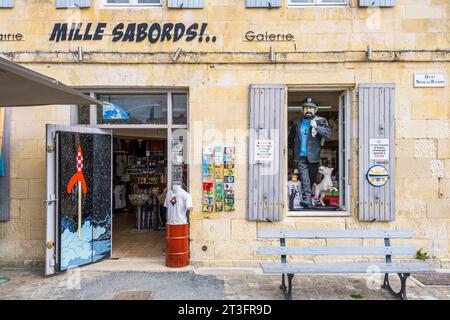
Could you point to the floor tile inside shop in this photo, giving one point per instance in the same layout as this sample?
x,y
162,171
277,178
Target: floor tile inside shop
x,y
130,243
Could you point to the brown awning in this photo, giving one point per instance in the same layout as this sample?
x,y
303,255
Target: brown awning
x,y
21,87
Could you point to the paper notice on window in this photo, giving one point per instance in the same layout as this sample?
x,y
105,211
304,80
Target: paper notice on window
x,y
379,149
264,150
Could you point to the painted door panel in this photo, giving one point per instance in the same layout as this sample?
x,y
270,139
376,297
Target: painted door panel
x,y
80,170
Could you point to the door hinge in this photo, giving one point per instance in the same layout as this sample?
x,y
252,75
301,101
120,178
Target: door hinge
x,y
50,199
50,244
50,149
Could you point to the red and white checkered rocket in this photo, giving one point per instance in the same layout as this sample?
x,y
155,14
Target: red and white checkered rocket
x,y
78,178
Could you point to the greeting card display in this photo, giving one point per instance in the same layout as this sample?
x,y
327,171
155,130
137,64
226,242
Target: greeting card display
x,y
229,178
208,179
218,178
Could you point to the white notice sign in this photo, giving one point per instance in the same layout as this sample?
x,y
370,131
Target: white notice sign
x,y
379,149
429,80
264,150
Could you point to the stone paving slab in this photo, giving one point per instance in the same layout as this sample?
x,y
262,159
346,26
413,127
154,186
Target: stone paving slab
x,y
212,284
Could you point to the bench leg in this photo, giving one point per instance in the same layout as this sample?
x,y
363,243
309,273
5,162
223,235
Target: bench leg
x,y
289,293
402,293
283,284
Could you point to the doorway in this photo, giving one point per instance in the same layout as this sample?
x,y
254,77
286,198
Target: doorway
x,y
139,188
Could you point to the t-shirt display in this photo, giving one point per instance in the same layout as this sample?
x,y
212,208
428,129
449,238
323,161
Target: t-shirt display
x,y
178,202
120,197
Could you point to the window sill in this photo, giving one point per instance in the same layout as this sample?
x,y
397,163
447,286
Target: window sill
x,y
318,213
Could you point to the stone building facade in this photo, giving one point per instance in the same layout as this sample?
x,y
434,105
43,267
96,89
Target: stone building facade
x,y
328,49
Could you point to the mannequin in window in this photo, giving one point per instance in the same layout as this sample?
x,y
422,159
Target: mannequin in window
x,y
306,138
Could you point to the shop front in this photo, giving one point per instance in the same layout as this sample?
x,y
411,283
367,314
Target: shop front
x,y
214,106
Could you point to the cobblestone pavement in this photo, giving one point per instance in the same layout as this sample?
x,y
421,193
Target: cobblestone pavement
x,y
89,284
262,287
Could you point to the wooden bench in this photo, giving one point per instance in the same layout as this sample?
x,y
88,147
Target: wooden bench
x,y
403,269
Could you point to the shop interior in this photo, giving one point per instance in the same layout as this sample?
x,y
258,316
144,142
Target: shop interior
x,y
139,186
329,156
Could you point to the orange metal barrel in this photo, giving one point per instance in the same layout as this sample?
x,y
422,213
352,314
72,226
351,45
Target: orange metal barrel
x,y
177,245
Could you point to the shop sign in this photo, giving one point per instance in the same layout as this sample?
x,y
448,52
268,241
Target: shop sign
x,y
131,32
268,37
429,80
264,150
379,149
11,37
377,175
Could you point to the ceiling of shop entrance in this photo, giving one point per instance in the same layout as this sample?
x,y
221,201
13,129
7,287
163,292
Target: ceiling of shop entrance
x,y
141,133
327,98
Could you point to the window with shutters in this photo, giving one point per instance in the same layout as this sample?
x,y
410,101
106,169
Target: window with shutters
x,y
263,3
376,3
61,4
326,171
6,3
185,4
318,2
133,2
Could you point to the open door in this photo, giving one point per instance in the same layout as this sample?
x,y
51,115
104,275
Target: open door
x,y
79,197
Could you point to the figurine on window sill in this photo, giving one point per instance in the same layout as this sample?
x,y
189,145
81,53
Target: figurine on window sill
x,y
325,185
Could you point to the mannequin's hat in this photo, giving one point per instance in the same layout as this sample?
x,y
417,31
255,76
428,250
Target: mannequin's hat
x,y
310,102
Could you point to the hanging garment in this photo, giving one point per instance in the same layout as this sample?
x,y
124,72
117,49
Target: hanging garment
x,y
120,196
120,165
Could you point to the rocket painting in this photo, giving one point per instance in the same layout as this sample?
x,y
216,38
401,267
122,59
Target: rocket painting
x,y
78,178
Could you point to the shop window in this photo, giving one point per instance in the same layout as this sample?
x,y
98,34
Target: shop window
x,y
132,109
317,2
133,2
179,108
326,164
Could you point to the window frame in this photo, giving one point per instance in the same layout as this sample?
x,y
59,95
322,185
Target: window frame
x,y
133,3
347,117
318,3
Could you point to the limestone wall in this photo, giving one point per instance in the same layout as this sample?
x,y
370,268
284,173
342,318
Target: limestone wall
x,y
217,76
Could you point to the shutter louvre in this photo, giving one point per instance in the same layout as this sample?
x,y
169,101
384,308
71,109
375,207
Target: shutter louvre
x,y
266,183
376,3
376,120
263,3
6,3
73,3
186,4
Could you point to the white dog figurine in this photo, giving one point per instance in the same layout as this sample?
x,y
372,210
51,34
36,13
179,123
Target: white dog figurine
x,y
324,185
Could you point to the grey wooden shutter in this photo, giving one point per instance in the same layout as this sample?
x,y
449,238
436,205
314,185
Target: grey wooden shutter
x,y
266,179
73,3
6,3
4,181
263,3
376,120
186,4
377,3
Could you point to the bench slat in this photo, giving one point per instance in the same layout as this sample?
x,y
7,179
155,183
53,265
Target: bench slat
x,y
337,250
339,268
336,234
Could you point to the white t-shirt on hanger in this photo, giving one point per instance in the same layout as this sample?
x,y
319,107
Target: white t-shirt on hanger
x,y
120,196
177,202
